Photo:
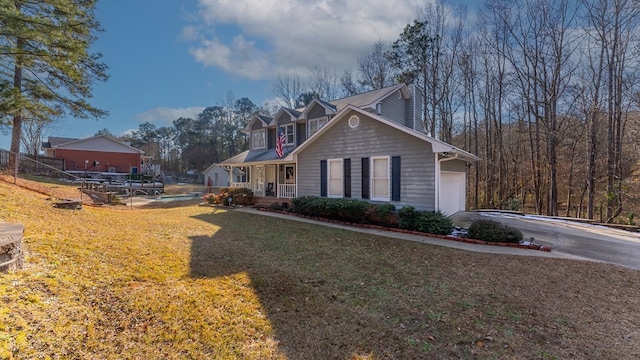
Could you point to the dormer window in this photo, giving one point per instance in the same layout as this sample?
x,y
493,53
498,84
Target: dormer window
x,y
315,125
288,134
258,138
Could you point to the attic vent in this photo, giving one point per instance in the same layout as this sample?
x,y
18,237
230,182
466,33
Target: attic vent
x,y
354,121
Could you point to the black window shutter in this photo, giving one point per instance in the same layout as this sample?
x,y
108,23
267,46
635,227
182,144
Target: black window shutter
x,y
346,164
395,178
365,178
323,178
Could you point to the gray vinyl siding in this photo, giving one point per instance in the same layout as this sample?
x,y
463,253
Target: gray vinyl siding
x,y
454,165
301,132
410,110
371,138
416,106
316,112
256,125
271,138
284,118
395,109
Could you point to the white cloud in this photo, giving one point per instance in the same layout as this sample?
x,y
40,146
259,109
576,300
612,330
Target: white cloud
x,y
278,36
162,116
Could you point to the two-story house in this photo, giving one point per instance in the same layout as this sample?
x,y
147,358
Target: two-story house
x,y
369,146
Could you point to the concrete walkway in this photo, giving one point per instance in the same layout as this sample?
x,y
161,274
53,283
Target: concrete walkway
x,y
422,239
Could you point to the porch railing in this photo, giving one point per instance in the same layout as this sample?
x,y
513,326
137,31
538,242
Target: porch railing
x,y
258,190
245,185
287,190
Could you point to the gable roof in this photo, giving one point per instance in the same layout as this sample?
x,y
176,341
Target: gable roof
x,y
329,108
371,98
265,120
437,145
54,141
76,142
213,167
293,114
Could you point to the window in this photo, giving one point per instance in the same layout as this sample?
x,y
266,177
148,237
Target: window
x,y
258,139
316,124
289,134
380,178
334,177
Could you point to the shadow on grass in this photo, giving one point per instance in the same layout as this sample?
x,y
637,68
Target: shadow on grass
x,y
168,204
315,292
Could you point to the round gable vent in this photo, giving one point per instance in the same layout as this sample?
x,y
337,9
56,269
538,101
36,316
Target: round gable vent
x,y
354,121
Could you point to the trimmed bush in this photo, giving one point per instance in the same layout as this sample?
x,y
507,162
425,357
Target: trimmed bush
x,y
381,214
338,209
489,230
432,222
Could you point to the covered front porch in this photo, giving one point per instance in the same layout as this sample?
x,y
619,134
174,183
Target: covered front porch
x,y
266,180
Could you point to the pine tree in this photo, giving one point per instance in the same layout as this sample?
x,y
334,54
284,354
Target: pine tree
x,y
46,67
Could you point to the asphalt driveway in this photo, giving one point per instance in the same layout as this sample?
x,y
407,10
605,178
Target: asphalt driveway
x,y
587,241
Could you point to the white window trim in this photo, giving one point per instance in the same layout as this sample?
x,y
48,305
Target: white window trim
x,y
286,134
317,121
329,178
253,139
371,180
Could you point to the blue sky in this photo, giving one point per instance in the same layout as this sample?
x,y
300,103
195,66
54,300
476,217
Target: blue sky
x,y
173,58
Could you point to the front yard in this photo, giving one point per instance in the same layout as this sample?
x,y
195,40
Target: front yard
x,y
195,282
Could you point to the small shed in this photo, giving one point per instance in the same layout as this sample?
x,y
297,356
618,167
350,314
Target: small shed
x,y
215,176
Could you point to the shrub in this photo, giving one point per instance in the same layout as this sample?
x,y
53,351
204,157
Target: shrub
x,y
242,196
351,210
209,198
381,214
238,196
489,230
432,222
284,206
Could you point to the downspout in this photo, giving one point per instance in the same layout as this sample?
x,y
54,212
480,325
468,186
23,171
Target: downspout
x,y
438,179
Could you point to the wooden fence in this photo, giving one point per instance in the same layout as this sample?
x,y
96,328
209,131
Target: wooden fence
x,y
28,164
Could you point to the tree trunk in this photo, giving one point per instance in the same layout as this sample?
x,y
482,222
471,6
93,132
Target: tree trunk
x,y
16,132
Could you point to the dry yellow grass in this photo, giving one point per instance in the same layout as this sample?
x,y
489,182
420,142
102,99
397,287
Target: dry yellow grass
x,y
195,282
115,283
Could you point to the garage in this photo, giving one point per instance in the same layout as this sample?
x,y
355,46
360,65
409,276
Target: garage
x,y
452,192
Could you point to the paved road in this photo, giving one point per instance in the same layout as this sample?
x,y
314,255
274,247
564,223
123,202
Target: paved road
x,y
582,240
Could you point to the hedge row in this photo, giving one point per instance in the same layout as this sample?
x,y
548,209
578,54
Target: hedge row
x,y
363,212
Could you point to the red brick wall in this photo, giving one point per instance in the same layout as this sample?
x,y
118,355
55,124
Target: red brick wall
x,y
121,161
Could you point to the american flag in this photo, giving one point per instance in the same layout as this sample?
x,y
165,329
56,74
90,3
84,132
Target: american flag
x,y
280,142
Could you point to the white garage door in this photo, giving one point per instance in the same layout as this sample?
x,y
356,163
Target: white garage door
x,y
452,192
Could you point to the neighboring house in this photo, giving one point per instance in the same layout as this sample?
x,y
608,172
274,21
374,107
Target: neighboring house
x,y
369,146
215,176
97,154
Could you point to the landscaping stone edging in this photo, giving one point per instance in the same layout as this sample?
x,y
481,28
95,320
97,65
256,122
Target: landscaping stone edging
x,y
443,237
11,254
